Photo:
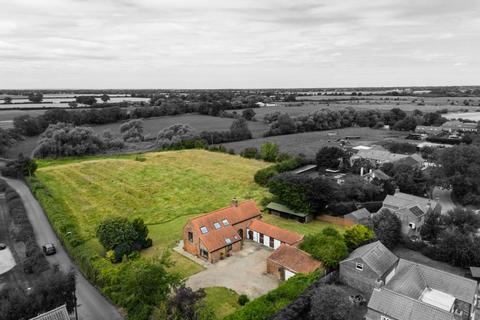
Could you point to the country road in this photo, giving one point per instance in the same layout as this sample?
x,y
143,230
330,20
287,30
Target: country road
x,y
92,305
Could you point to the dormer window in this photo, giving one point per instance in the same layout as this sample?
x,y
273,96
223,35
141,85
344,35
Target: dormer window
x,y
359,266
216,225
225,222
203,230
228,241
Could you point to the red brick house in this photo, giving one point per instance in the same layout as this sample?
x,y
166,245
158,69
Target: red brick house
x,y
214,235
287,261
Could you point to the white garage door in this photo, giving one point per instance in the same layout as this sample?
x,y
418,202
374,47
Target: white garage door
x,y
288,274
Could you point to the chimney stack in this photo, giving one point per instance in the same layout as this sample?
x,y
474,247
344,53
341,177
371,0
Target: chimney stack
x,y
234,202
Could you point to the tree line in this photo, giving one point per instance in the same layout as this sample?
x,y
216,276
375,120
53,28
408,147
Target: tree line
x,y
327,119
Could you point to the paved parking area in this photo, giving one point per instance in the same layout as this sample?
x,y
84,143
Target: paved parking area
x,y
244,272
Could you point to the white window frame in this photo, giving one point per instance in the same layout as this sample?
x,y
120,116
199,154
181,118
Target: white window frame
x,y
384,318
359,266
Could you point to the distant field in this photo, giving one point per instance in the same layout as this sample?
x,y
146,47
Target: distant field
x,y
153,126
309,143
196,121
165,190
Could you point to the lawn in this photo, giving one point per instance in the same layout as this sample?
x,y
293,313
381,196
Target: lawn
x,y
308,143
222,301
314,226
165,190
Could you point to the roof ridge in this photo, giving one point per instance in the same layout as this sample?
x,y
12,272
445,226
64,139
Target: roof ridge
x,y
438,270
220,209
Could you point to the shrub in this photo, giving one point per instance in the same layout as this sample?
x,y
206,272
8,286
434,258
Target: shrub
x,y
250,153
132,131
357,236
243,299
327,246
263,176
269,151
177,136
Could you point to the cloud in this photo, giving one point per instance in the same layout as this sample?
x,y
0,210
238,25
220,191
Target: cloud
x,y
216,43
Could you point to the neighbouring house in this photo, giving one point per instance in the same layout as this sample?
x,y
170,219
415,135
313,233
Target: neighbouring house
x,y
287,261
366,265
376,157
420,292
458,126
285,212
413,160
431,130
377,177
399,289
410,209
214,235
59,313
360,216
270,235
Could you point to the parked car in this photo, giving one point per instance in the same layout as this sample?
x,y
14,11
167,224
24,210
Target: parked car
x,y
49,249
3,246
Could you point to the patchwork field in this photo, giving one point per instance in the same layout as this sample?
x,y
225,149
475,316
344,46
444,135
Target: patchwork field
x,y
165,190
309,143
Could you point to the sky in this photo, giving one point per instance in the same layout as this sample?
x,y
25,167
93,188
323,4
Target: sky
x,y
238,43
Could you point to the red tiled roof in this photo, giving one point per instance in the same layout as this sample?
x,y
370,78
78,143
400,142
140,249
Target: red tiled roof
x,y
280,234
215,239
294,259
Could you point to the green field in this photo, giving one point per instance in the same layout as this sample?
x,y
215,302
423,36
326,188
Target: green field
x,y
314,226
165,190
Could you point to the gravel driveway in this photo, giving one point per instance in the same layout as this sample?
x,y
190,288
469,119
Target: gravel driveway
x,y
244,272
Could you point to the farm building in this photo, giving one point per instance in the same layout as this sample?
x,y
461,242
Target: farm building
x,y
287,213
360,216
410,209
271,236
214,235
428,130
455,125
287,261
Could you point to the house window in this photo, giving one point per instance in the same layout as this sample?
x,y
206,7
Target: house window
x,y
216,225
228,241
229,247
359,266
272,242
203,230
261,238
384,318
204,253
190,236
411,225
225,222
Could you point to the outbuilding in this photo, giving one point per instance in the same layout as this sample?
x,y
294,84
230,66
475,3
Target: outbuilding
x,y
287,261
270,235
285,212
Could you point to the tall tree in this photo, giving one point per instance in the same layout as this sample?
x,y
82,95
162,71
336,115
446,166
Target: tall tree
x,y
386,226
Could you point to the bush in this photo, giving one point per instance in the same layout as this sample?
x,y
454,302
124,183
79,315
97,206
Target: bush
x,y
269,151
327,246
357,236
177,136
243,299
250,153
19,168
263,176
132,131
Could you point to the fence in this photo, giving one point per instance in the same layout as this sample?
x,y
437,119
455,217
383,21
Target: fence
x,y
336,220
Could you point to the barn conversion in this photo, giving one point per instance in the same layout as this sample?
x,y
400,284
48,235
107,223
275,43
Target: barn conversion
x,y
271,236
287,261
